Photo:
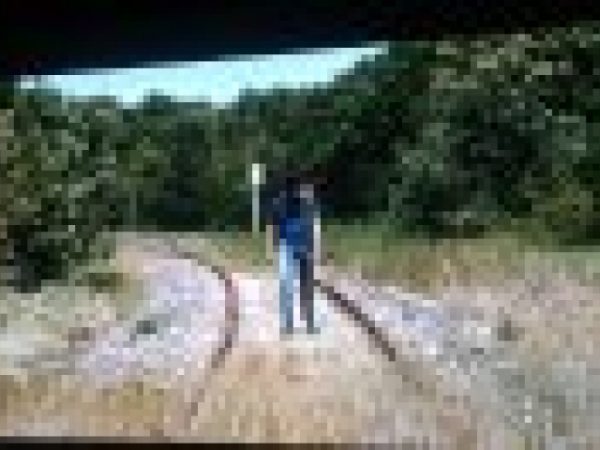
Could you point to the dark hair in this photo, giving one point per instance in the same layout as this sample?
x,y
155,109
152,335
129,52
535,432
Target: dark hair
x,y
289,178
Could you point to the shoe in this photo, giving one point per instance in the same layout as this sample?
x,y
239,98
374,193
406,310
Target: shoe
x,y
312,329
286,331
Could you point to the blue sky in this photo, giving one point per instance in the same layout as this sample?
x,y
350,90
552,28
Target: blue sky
x,y
217,81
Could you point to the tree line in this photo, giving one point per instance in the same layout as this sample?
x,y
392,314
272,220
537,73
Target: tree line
x,y
448,138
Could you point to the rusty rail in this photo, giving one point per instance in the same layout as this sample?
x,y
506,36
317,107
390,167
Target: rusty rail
x,y
342,304
229,332
345,305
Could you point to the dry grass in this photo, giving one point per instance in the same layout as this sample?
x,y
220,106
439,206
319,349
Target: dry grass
x,y
548,295
281,395
98,294
134,409
266,395
260,395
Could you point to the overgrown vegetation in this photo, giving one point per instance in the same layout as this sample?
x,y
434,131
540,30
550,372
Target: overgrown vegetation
x,y
454,138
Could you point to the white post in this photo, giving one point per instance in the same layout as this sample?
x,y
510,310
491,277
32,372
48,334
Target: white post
x,y
257,176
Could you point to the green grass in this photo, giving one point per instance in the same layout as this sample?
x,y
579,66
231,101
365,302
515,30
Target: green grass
x,y
242,250
380,253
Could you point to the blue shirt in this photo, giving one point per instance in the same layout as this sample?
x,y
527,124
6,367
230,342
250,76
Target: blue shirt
x,y
296,231
294,217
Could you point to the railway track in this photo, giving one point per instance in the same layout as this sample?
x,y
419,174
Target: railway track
x,y
244,350
347,308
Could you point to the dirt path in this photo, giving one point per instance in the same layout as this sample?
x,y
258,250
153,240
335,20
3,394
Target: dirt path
x,y
451,387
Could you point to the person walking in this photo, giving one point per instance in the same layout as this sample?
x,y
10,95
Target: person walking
x,y
293,213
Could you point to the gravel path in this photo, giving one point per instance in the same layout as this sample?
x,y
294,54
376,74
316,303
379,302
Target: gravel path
x,y
457,384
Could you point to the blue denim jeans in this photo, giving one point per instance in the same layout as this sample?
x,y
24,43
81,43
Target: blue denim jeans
x,y
287,275
295,273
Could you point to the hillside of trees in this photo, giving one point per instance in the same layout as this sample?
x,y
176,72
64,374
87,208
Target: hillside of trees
x,y
451,138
